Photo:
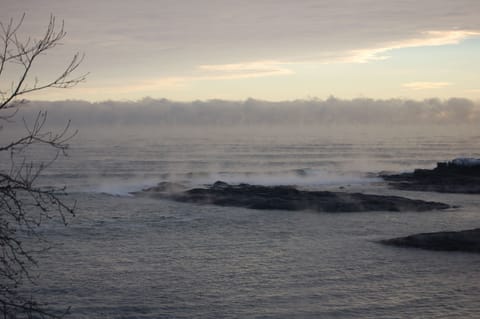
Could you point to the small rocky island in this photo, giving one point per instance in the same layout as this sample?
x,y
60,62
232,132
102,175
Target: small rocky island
x,y
461,175
465,240
287,198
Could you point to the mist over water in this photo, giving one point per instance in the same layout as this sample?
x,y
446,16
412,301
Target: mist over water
x,y
129,257
118,160
252,112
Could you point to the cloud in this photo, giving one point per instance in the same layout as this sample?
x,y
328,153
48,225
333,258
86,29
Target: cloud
x,y
426,39
212,72
245,70
269,68
180,33
426,85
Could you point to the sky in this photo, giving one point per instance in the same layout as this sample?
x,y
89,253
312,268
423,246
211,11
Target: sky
x,y
186,50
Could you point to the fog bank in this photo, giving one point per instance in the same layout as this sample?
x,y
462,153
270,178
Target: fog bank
x,y
251,112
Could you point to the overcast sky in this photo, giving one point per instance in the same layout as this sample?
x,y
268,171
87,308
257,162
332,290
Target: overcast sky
x,y
273,50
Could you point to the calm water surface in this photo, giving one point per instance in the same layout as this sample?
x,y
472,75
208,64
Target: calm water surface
x,y
127,257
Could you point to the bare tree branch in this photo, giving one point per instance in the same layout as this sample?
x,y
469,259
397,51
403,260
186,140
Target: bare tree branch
x,y
25,53
24,206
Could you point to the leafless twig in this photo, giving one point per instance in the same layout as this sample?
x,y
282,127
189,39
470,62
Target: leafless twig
x,y
23,204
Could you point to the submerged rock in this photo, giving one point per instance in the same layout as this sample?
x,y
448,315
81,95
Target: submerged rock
x,y
290,198
461,175
466,240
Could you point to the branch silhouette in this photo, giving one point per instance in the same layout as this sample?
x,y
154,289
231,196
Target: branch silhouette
x,y
24,206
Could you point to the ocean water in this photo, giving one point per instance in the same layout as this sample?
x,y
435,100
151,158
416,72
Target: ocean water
x,y
129,257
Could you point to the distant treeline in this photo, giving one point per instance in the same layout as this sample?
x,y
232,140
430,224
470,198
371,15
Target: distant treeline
x,y
332,111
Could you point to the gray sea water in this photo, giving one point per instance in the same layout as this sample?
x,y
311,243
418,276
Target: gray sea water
x,y
128,257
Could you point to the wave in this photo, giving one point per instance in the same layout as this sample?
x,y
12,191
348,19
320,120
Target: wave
x,y
117,187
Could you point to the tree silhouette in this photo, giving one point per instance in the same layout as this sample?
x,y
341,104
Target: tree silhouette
x,y
23,204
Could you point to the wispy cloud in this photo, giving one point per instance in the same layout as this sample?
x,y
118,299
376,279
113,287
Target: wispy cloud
x,y
276,67
426,85
426,39
210,72
244,70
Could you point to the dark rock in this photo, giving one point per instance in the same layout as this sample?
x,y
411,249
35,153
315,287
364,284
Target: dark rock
x,y
163,188
466,240
290,198
457,176
219,185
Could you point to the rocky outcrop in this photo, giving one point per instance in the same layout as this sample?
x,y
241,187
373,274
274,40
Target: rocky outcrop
x,y
461,175
290,198
466,240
